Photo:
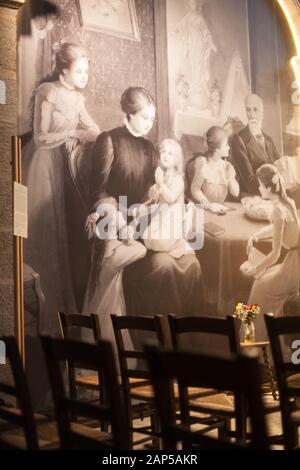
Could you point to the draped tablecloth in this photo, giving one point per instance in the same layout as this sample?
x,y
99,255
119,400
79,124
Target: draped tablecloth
x,y
221,257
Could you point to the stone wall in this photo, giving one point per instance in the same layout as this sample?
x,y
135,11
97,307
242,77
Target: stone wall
x,y
8,128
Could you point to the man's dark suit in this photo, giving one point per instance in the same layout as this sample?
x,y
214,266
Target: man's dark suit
x,y
248,155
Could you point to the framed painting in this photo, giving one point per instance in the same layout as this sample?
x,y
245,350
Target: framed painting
x,y
205,68
115,17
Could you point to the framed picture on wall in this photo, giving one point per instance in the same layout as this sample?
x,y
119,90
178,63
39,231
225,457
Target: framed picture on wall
x,y
114,17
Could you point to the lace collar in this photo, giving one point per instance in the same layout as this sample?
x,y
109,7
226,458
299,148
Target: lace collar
x,y
129,128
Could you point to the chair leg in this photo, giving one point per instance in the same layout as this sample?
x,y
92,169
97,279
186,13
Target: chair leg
x,y
130,419
224,430
241,421
291,436
104,426
155,429
130,424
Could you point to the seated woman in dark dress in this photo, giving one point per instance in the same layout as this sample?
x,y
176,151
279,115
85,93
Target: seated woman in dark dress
x,y
123,164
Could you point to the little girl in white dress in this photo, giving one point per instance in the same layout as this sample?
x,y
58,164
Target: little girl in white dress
x,y
213,177
168,226
275,283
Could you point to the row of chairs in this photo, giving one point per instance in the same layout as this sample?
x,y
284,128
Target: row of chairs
x,y
196,396
215,410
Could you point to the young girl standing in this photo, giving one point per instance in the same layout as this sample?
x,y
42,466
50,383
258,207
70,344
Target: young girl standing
x,y
60,124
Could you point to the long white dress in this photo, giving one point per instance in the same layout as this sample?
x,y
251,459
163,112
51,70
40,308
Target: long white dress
x,y
280,281
166,230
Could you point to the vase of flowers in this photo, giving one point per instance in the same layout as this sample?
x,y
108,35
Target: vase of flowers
x,y
247,314
249,331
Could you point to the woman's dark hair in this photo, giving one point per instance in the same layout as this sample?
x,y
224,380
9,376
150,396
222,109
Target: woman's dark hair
x,y
214,136
66,54
268,174
133,99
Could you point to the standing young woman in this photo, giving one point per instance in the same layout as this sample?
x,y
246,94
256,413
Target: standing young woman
x,y
60,123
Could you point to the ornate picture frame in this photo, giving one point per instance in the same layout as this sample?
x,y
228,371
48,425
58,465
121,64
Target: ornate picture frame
x,y
114,17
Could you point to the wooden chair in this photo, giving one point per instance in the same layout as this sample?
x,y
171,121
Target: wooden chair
x,y
220,405
138,391
226,327
69,322
136,384
288,375
21,428
240,375
100,358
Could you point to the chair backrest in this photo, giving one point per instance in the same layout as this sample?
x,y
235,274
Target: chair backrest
x,y
278,329
237,374
226,327
83,322
23,417
100,358
69,321
142,324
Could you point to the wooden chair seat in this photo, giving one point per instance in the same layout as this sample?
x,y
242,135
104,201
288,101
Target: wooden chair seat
x,y
147,392
144,392
270,405
13,439
216,403
224,404
294,381
140,392
200,391
135,381
46,430
93,381
92,433
295,417
88,381
48,437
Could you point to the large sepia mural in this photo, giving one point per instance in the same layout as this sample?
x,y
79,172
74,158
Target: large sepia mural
x,y
160,149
